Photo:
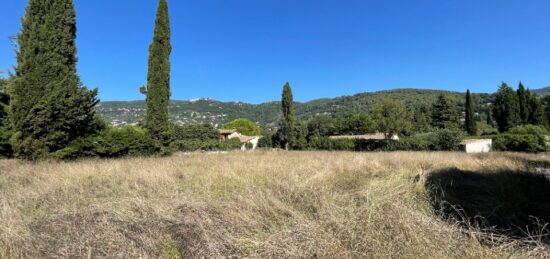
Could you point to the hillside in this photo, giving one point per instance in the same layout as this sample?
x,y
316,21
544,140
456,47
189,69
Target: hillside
x,y
267,114
543,91
276,205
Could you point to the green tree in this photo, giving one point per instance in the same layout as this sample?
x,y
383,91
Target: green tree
x,y
443,114
523,104
421,119
489,117
392,117
287,125
49,107
536,109
244,126
506,108
322,126
355,124
470,123
158,75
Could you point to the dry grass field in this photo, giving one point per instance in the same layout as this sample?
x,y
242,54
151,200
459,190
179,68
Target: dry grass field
x,y
277,205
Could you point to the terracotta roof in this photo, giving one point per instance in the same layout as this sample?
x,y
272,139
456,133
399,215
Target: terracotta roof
x,y
377,136
227,131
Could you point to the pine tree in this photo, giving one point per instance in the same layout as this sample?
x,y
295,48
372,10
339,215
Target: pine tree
x,y
286,131
443,114
470,122
158,76
523,105
49,107
506,108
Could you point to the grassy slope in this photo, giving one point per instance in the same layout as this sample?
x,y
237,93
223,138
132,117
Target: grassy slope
x,y
263,204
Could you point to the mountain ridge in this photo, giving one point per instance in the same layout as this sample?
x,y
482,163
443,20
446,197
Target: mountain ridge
x,y
206,110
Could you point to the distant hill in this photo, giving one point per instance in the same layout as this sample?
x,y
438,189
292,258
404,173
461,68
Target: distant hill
x,y
543,91
267,114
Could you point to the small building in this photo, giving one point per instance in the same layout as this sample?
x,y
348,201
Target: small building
x,y
248,142
227,134
473,146
375,136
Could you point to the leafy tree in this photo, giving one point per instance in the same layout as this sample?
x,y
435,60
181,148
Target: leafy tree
x,y
421,119
489,118
470,124
392,117
506,108
300,134
443,114
49,108
158,76
322,126
286,129
536,114
523,104
244,126
355,124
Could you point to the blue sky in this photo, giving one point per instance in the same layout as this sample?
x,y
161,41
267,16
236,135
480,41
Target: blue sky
x,y
245,50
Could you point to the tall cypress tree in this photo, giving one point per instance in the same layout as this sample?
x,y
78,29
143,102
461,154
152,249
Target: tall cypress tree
x,y
286,133
523,104
158,76
506,108
470,121
49,107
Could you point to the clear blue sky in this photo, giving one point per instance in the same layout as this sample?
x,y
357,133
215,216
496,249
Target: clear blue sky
x,y
245,50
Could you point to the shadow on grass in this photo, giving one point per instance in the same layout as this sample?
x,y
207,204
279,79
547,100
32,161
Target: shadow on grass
x,y
514,204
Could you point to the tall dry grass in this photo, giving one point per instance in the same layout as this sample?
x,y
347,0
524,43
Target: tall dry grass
x,y
252,205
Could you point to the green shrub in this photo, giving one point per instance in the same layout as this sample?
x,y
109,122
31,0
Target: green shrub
x,y
111,143
190,145
446,140
520,143
325,143
266,141
230,144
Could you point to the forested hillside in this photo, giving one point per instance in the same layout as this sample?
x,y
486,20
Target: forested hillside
x,y
267,114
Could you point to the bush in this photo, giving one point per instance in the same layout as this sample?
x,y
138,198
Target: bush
x,y
446,140
111,143
266,141
231,144
325,143
190,145
520,143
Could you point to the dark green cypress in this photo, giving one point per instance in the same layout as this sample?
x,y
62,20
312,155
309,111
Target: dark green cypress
x,y
506,108
470,121
49,107
158,76
523,104
443,114
287,122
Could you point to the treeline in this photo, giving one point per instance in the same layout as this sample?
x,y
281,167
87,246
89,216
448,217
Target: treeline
x,y
47,113
516,121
